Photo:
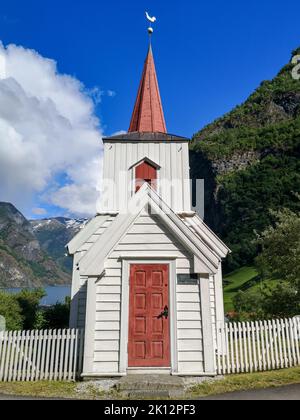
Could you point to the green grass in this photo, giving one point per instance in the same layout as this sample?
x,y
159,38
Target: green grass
x,y
245,278
241,279
47,389
246,382
39,389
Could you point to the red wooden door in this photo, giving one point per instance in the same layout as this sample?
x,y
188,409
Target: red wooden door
x,y
149,333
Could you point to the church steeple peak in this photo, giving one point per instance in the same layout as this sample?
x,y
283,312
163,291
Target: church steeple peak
x,y
148,114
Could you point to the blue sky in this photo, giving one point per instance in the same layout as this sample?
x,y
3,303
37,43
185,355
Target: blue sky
x,y
209,55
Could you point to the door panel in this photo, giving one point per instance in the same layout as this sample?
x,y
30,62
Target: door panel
x,y
149,334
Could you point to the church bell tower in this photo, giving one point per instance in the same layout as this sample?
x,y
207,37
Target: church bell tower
x,y
147,153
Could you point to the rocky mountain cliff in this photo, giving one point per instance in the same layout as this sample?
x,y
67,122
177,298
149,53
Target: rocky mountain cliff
x,y
53,235
23,262
249,159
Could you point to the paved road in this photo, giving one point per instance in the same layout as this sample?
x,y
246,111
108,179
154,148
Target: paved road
x,y
16,398
290,392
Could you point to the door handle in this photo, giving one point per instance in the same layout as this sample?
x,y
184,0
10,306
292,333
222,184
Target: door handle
x,y
164,313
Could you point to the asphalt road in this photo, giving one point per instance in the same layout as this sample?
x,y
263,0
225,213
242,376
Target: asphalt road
x,y
16,398
290,392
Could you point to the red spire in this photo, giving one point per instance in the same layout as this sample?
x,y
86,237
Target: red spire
x,y
148,114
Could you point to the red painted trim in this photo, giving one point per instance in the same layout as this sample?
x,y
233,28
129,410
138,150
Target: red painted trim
x,y
149,337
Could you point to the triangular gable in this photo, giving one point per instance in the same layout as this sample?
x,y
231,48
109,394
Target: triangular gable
x,y
92,264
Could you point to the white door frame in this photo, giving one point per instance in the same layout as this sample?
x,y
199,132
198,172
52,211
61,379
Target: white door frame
x,y
126,263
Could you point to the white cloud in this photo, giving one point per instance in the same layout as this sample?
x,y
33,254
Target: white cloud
x,y
48,130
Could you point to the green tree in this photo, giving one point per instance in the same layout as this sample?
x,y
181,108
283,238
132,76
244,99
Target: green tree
x,y
11,311
248,304
268,302
29,301
280,260
281,302
280,256
57,316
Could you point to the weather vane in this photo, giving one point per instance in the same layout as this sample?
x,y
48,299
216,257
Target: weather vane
x,y
151,20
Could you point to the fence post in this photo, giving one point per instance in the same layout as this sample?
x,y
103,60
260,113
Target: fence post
x,y
296,324
292,341
271,341
288,342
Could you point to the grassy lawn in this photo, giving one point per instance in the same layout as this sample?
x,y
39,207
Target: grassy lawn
x,y
241,279
47,389
231,383
247,382
39,389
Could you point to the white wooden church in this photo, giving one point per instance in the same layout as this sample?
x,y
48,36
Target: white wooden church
x,y
147,279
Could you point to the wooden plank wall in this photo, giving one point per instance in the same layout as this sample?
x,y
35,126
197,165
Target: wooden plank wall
x,y
172,157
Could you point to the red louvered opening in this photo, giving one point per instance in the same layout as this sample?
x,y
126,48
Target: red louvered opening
x,y
145,173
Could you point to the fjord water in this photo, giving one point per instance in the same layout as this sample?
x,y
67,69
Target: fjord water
x,y
54,294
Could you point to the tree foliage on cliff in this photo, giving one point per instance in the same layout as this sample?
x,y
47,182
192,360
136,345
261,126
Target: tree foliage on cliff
x,y
280,256
241,190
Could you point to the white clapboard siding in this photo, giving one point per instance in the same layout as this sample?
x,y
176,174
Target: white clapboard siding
x,y
189,316
41,355
108,306
144,252
107,335
260,346
102,345
189,345
212,294
188,307
189,329
110,281
102,367
191,367
108,316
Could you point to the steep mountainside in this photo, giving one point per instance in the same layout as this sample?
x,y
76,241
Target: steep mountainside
x,y
54,234
250,161
22,261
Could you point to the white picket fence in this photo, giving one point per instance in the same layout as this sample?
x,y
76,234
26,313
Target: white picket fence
x,y
52,355
259,346
57,355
